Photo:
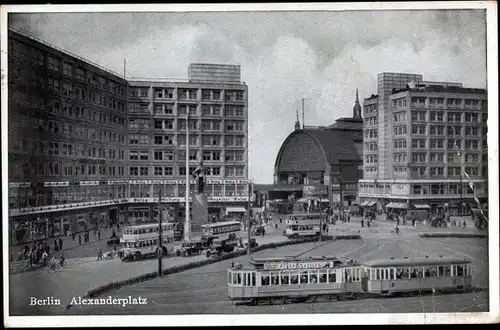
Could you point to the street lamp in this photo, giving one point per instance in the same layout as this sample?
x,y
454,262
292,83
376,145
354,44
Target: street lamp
x,y
187,226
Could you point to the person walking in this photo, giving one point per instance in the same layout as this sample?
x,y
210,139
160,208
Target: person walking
x,y
362,223
56,248
99,235
80,239
60,243
99,254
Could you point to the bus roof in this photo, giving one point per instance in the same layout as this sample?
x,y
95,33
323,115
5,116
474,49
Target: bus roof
x,y
415,262
217,224
148,225
290,258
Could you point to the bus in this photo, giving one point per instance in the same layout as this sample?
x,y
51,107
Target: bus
x,y
304,224
222,228
141,241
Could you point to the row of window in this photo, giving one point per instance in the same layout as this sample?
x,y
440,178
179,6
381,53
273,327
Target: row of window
x,y
450,144
451,117
206,125
440,130
443,189
421,171
169,170
187,93
206,140
65,169
451,157
91,115
22,52
450,102
403,273
370,109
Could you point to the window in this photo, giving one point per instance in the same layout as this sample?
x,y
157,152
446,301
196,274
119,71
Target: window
x,y
54,63
134,171
418,157
158,170
418,171
418,115
143,171
436,144
169,171
399,144
144,155
158,124
158,139
436,157
134,155
436,171
418,143
437,116
472,144
158,155
471,131
437,130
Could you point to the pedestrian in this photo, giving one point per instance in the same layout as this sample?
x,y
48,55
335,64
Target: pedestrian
x,y
349,218
397,221
99,235
73,236
80,239
118,226
99,254
60,243
56,248
263,231
368,223
362,223
464,224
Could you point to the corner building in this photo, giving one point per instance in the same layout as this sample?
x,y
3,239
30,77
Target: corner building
x,y
425,142
86,147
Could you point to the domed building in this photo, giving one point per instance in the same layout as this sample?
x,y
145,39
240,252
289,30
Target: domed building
x,y
323,162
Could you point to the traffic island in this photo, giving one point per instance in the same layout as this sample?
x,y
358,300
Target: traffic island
x,y
455,235
176,269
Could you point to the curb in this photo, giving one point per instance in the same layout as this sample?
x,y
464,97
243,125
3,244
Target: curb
x,y
176,269
455,235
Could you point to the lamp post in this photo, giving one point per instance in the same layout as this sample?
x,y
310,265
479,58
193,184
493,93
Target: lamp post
x,y
187,226
160,245
249,220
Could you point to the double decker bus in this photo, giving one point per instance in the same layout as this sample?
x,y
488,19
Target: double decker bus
x,y
222,228
304,224
141,241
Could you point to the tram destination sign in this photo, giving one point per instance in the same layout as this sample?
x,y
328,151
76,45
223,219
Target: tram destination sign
x,y
298,265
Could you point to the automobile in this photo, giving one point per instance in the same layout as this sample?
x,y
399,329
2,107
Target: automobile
x,y
244,246
113,240
221,246
258,230
206,241
188,249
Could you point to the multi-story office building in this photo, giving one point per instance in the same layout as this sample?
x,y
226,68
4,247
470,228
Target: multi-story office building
x,y
66,140
86,148
418,137
216,101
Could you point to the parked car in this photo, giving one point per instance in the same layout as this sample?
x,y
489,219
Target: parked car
x,y
221,246
113,240
244,246
188,249
206,241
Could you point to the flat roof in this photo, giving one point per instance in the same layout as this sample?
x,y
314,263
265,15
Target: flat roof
x,y
415,262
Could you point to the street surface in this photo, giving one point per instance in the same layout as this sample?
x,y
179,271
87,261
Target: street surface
x,y
84,273
204,290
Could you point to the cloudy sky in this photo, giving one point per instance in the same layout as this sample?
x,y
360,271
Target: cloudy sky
x,y
322,56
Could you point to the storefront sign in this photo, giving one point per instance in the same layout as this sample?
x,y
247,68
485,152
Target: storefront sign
x,y
89,183
316,190
18,184
402,189
56,184
298,265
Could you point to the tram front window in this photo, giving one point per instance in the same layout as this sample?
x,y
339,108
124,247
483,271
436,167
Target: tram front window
x,y
265,279
322,277
332,277
460,270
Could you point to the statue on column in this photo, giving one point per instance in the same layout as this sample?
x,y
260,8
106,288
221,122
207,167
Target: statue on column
x,y
199,175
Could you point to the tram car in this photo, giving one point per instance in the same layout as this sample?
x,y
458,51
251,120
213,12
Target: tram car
x,y
284,280
389,276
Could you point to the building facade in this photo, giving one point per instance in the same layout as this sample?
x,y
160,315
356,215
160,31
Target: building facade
x,y
425,145
323,161
87,147
218,135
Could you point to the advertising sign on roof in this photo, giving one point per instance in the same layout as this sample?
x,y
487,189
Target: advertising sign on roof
x,y
298,265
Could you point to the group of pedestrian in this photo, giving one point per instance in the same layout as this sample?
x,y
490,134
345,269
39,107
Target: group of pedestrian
x,y
58,244
36,252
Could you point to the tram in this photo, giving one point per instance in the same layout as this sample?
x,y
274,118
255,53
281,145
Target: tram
x,y
283,280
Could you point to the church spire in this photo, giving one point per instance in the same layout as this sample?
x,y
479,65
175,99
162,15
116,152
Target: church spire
x,y
356,110
297,123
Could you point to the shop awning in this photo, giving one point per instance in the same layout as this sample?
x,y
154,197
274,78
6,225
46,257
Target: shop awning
x,y
421,206
397,205
235,209
368,203
325,200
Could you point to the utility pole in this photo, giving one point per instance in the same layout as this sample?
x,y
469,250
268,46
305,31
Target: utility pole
x,y
303,116
249,220
160,245
124,67
461,192
187,225
320,220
